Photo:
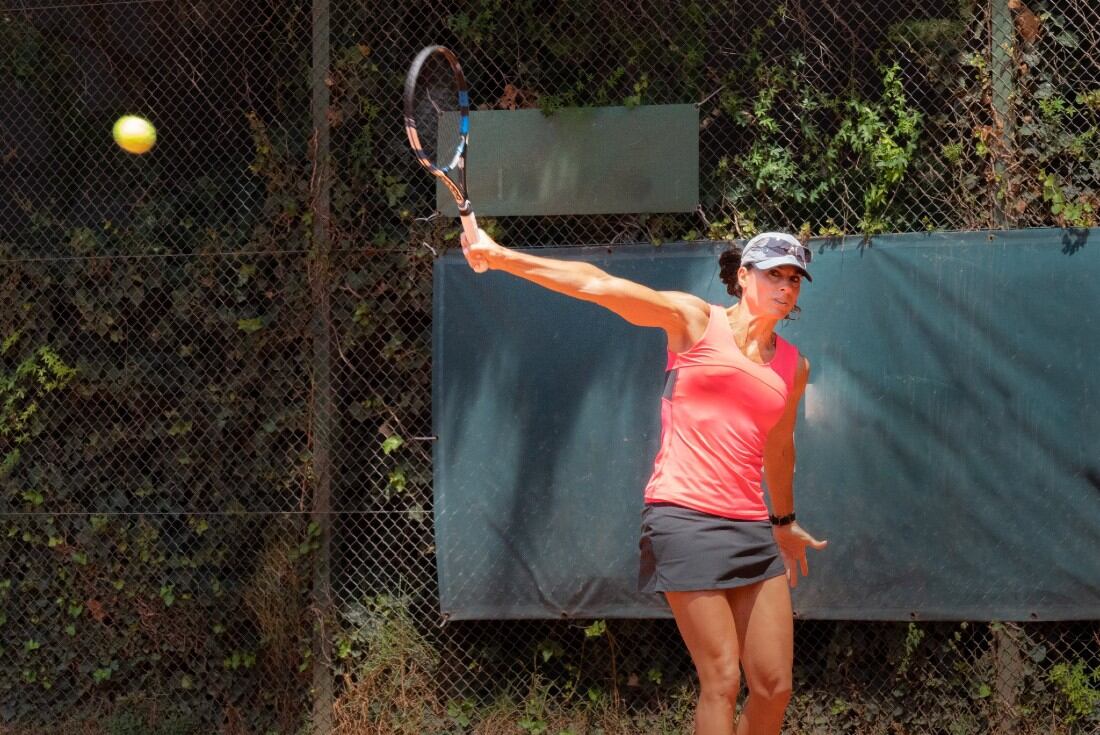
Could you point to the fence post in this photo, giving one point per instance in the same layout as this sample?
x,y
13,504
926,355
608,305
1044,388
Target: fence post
x,y
1002,44
321,414
1009,675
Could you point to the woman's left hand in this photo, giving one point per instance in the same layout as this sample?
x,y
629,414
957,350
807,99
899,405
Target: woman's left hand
x,y
792,541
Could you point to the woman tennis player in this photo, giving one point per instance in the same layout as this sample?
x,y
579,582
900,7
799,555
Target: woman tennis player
x,y
709,543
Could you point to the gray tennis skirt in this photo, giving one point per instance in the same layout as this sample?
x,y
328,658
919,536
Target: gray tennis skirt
x,y
684,550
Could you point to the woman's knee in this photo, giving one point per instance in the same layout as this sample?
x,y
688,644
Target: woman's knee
x,y
720,678
774,689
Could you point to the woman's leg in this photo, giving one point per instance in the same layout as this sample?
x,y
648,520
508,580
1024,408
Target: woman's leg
x,y
706,623
765,633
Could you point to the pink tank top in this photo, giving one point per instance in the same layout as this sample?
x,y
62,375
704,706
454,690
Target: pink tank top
x,y
716,412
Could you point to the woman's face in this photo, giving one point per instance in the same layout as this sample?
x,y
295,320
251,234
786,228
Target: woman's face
x,y
772,292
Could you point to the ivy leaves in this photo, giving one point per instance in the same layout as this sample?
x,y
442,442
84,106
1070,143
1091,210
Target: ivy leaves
x,y
21,390
811,149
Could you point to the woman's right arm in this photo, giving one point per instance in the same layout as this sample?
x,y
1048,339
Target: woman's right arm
x,y
682,316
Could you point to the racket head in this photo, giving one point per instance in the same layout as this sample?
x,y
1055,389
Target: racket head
x,y
437,117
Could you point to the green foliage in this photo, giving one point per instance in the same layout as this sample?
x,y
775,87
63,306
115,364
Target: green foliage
x,y
390,665
910,143
885,135
1037,149
913,637
1059,135
1074,213
808,148
461,712
596,629
149,389
21,391
1080,687
21,51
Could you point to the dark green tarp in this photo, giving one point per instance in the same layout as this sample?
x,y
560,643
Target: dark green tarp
x,y
948,443
580,160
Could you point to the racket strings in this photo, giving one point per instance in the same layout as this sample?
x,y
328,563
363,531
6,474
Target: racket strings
x,y
436,108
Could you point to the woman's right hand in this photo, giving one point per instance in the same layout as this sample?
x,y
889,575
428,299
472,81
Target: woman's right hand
x,y
793,541
481,254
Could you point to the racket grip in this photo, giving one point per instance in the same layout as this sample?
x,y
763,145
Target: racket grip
x,y
469,228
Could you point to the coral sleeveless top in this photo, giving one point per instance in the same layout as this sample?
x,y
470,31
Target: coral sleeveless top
x,y
717,409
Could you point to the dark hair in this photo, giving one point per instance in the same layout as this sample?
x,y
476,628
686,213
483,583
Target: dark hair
x,y
729,262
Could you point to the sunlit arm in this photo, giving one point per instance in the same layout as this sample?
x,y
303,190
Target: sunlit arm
x,y
779,452
779,457
638,304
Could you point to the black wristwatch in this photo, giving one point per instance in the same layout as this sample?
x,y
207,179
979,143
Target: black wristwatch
x,y
782,520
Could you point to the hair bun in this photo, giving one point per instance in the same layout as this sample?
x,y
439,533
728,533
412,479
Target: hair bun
x,y
728,264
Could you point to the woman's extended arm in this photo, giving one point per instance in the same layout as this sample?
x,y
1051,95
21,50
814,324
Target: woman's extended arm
x,y
779,456
682,316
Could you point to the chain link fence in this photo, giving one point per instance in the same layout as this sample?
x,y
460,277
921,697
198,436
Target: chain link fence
x,y
215,416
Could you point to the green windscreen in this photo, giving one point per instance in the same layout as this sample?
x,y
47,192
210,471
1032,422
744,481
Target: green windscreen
x,y
592,160
948,443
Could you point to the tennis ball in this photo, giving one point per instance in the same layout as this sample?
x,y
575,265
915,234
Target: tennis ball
x,y
134,134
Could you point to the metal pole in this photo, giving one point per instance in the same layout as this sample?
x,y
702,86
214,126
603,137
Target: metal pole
x,y
321,415
1003,82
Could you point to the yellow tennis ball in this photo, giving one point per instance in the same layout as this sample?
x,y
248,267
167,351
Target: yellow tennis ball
x,y
134,134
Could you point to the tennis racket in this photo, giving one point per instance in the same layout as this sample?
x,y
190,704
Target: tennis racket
x,y
437,121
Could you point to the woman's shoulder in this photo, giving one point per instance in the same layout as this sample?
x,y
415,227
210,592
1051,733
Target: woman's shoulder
x,y
688,301
695,311
696,317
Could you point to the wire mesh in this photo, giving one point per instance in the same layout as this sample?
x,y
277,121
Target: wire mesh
x,y
170,411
